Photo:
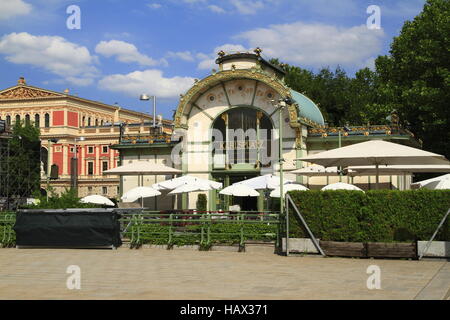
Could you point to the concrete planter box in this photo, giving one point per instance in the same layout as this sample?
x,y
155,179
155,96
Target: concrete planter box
x,y
437,249
225,248
187,247
299,245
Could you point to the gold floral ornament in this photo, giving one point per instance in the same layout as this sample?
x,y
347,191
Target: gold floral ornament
x,y
258,51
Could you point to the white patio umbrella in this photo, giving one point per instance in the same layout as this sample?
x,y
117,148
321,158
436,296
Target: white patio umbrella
x,y
143,168
191,187
398,169
317,171
287,187
438,183
183,180
140,193
341,186
239,190
376,153
268,181
97,199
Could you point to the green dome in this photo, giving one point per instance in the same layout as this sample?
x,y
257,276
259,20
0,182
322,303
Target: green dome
x,y
307,108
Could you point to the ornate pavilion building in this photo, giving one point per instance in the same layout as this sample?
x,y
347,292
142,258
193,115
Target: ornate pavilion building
x,y
75,128
243,96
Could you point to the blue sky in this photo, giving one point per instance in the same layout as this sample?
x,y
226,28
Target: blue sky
x,y
125,48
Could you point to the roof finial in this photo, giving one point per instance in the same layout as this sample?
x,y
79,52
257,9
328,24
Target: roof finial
x,y
21,81
221,53
258,51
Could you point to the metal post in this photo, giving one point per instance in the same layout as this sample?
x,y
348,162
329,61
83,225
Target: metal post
x,y
313,238
281,156
154,111
287,227
434,234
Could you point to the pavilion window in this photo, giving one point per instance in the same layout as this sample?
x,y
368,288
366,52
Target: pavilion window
x,y
27,119
8,120
17,118
246,135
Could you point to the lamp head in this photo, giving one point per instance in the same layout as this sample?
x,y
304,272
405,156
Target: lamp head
x,y
144,97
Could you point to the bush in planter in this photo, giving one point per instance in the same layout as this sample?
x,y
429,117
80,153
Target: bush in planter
x,y
202,203
374,216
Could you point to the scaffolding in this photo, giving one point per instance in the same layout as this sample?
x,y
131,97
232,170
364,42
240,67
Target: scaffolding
x,y
19,170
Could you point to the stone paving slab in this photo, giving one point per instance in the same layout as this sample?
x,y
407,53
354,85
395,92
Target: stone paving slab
x,y
185,274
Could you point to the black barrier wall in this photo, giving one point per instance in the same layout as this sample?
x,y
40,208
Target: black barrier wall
x,y
68,228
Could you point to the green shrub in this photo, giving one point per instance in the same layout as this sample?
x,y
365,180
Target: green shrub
x,y
202,202
374,216
67,199
220,233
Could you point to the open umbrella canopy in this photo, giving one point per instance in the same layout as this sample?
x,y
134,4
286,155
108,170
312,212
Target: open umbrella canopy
x,y
318,171
191,187
268,181
143,168
240,190
287,187
375,152
97,199
139,192
341,186
183,180
441,182
398,169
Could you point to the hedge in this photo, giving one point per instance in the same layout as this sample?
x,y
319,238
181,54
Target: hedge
x,y
221,233
373,216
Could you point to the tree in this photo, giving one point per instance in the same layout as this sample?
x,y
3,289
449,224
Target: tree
x,y
22,164
415,77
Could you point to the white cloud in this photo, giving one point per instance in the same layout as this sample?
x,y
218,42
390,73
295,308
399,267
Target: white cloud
x,y
247,6
55,54
154,5
216,9
12,8
126,52
148,81
183,55
208,61
317,44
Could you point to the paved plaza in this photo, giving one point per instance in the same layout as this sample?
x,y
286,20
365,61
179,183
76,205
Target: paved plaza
x,y
188,274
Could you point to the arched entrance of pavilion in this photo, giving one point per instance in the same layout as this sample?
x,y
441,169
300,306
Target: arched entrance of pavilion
x,y
242,138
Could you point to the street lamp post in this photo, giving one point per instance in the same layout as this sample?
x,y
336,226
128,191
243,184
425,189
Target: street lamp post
x,y
281,105
146,97
49,167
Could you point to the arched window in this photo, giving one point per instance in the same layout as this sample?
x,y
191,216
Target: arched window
x,y
248,138
27,119
47,120
89,122
101,122
8,120
96,122
17,118
37,120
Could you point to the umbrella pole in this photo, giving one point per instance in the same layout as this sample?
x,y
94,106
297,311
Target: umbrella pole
x,y
378,176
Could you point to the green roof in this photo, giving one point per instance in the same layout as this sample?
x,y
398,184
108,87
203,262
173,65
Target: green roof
x,y
307,108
